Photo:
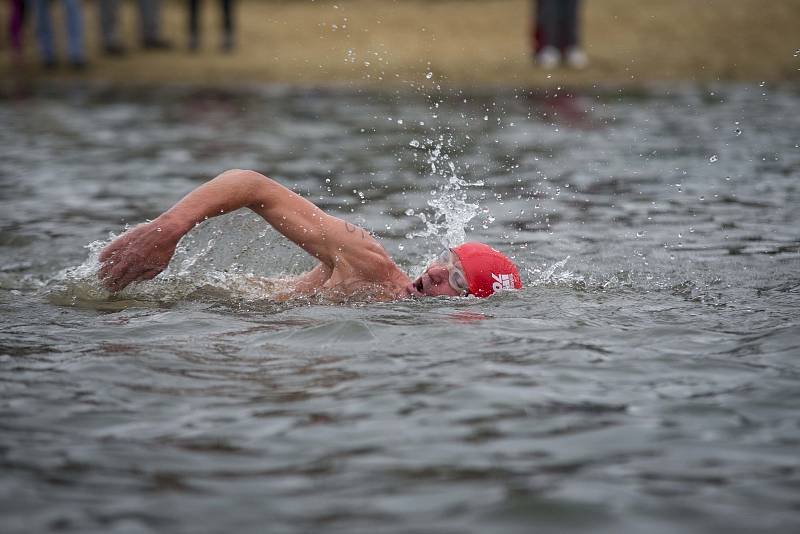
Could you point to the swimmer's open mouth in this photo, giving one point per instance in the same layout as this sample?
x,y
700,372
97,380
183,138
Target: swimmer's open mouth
x,y
418,284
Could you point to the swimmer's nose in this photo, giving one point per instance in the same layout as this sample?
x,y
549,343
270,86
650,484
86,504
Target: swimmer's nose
x,y
438,273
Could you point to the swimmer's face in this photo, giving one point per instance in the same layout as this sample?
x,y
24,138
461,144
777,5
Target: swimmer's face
x,y
443,277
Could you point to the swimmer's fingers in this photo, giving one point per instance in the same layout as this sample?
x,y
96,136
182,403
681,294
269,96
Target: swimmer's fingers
x,y
141,253
118,275
111,261
111,274
129,276
111,270
120,243
115,246
104,270
109,250
107,266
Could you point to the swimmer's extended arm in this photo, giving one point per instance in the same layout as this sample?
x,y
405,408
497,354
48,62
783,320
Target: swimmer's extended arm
x,y
144,251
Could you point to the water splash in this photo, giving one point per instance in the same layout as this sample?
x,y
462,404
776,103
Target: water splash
x,y
557,276
208,265
80,283
547,275
452,210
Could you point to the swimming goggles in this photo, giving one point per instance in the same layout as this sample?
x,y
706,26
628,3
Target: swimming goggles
x,y
456,278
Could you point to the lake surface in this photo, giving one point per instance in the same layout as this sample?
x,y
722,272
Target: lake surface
x,y
646,379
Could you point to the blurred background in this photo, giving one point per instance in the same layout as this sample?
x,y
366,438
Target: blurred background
x,y
638,160
488,42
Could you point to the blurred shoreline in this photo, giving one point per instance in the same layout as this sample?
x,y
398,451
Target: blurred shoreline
x,y
464,44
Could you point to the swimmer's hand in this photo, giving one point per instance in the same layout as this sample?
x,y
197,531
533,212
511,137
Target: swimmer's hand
x,y
141,253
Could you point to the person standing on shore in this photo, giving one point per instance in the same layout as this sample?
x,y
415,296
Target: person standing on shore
x,y
149,23
556,34
73,19
226,7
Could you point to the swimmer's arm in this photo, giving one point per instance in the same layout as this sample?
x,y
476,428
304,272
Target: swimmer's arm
x,y
325,237
145,251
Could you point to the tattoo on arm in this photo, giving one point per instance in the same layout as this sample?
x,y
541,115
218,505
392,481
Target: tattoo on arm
x,y
352,228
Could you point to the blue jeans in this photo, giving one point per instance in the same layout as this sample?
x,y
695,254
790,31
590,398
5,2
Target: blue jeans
x,y
44,29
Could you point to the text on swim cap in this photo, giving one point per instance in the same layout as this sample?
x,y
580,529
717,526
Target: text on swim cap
x,y
502,281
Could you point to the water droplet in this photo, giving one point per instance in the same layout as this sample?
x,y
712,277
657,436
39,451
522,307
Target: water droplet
x,y
429,75
713,159
414,143
486,117
738,132
640,233
158,229
327,181
399,121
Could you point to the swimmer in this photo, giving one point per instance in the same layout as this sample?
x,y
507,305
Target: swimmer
x,y
351,261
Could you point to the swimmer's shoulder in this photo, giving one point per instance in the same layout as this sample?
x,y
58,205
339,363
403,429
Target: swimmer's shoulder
x,y
363,254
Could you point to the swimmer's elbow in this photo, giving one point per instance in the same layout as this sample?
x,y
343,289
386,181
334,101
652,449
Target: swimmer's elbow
x,y
246,174
254,185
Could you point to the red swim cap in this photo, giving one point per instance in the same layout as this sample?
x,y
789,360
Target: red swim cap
x,y
487,270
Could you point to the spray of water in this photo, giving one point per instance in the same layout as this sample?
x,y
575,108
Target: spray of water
x,y
224,259
452,210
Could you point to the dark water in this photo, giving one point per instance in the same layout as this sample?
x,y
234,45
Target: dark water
x,y
646,380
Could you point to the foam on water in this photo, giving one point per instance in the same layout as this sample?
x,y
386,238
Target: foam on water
x,y
221,260
452,209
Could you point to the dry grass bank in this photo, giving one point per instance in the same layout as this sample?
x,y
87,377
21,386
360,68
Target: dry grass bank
x,y
466,42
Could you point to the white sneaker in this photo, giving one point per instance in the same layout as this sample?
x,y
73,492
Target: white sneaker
x,y
576,58
548,57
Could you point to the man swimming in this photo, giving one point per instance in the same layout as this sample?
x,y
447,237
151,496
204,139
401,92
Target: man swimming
x,y
350,260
